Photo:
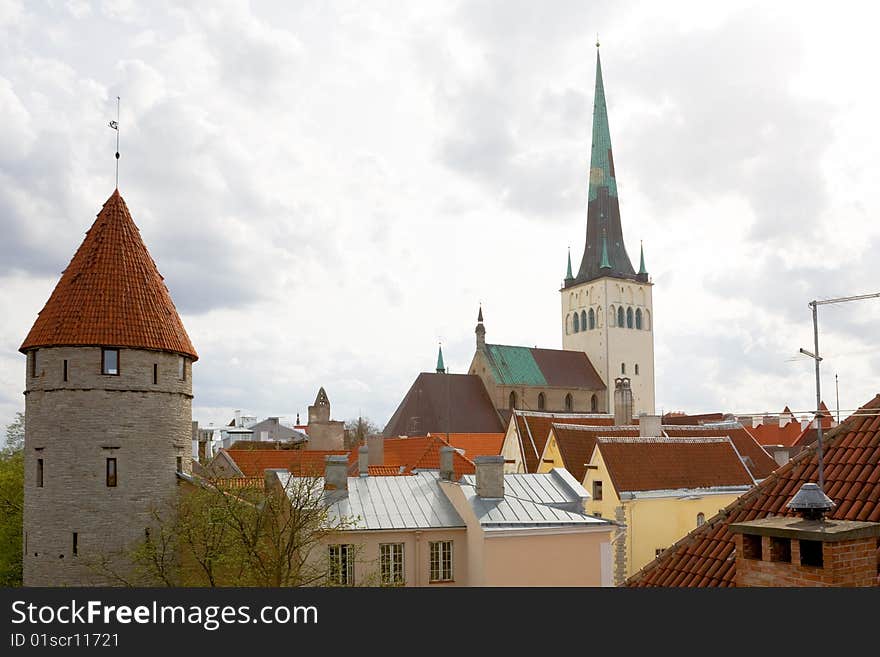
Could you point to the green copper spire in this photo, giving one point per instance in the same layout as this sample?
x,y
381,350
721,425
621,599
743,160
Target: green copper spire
x,y
568,275
601,161
441,368
642,269
604,264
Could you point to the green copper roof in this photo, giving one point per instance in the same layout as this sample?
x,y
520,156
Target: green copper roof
x,y
604,264
642,269
568,275
601,165
514,365
441,368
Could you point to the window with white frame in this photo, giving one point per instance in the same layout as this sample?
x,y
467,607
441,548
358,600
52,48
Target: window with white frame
x,y
341,571
441,561
391,564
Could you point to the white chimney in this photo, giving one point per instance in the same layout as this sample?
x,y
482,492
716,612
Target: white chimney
x,y
363,461
237,418
650,426
490,476
336,472
447,471
264,436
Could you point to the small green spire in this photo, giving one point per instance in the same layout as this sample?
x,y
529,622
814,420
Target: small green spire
x,y
642,269
568,275
441,368
604,264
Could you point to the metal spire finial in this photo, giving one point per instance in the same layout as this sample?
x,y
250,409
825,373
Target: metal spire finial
x,y
115,126
597,39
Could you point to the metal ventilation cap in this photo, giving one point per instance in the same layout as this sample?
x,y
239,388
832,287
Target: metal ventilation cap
x,y
811,502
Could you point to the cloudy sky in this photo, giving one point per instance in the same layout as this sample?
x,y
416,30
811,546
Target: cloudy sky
x,y
330,189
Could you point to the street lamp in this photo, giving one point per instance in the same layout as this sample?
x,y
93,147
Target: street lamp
x,y
818,359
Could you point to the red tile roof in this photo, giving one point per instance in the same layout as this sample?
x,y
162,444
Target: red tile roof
x,y
385,471
252,462
475,444
111,294
576,444
759,462
677,417
773,434
642,464
533,429
423,452
706,556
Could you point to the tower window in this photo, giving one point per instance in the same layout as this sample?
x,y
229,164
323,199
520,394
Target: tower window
x,y
155,373
181,368
65,369
611,316
639,319
568,402
620,316
594,404
592,319
110,361
637,369
540,401
39,473
180,464
512,399
567,324
111,472
577,322
584,320
75,543
629,318
623,368
34,362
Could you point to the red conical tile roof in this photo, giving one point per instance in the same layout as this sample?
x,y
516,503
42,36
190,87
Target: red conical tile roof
x,y
111,294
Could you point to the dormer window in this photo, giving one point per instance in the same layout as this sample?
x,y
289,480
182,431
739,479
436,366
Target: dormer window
x,y
110,361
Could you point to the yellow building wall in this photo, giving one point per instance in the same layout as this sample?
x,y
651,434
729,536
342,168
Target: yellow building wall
x,y
551,458
510,450
650,523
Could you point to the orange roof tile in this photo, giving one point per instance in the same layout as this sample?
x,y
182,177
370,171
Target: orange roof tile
x,y
705,557
111,294
773,434
641,464
385,471
475,444
423,452
533,428
252,462
760,463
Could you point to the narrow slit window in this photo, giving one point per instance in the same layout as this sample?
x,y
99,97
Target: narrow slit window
x,y
65,369
180,464
34,362
111,472
181,368
75,544
597,491
39,473
155,373
110,361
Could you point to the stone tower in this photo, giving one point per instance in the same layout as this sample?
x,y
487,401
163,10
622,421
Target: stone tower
x,y
324,433
607,309
108,405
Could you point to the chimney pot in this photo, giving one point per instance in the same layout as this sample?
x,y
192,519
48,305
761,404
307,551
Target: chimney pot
x,y
623,402
363,460
446,459
650,426
336,472
490,476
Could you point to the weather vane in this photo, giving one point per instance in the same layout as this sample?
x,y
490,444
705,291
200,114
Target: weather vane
x,y
115,126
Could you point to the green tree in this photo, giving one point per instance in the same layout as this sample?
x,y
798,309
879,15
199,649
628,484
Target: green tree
x,y
12,503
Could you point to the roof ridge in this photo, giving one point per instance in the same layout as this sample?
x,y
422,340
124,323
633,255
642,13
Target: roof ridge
x,y
661,440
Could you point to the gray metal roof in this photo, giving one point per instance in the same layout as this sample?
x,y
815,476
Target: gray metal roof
x,y
532,500
415,502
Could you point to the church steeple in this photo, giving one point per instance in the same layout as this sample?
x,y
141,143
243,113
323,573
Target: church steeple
x,y
642,270
603,209
480,330
441,368
568,276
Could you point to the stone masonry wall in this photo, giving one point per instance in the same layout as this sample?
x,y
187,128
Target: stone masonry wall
x,y
74,426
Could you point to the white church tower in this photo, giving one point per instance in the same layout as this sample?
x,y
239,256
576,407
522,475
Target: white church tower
x,y
607,310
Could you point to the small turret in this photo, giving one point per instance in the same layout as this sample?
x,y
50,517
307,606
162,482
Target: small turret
x,y
568,275
643,272
441,368
480,330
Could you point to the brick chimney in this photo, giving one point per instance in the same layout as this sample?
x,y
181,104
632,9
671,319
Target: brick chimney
x,y
490,476
363,461
336,472
446,458
376,445
623,402
650,426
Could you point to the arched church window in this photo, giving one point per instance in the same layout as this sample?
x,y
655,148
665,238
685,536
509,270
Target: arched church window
x,y
577,323
512,399
592,318
639,318
540,401
611,316
583,320
620,316
568,402
594,404
629,318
